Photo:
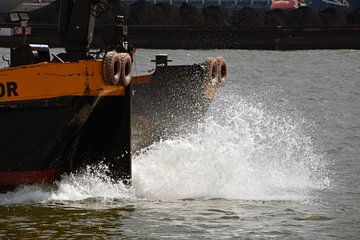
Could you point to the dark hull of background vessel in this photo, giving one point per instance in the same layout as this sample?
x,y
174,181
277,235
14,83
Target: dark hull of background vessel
x,y
269,38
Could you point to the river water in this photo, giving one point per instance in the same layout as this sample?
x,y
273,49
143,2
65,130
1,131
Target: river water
x,y
276,157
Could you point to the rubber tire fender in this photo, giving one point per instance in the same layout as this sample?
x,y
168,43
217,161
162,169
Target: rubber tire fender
x,y
222,70
112,68
126,68
211,71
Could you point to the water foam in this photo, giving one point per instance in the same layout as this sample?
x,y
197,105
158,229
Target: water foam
x,y
90,183
241,151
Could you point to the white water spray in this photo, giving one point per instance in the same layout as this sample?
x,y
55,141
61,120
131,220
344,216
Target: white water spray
x,y
91,183
240,152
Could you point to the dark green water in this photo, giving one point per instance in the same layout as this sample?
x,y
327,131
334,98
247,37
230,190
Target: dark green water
x,y
277,157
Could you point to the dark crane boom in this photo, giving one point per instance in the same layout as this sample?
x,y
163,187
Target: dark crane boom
x,y
76,25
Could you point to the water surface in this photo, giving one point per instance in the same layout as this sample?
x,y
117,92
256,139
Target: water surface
x,y
276,157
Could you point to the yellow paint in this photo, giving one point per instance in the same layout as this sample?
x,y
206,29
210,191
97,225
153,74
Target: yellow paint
x,y
143,79
51,80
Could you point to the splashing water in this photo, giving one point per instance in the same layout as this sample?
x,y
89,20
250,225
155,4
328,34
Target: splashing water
x,y
91,183
240,152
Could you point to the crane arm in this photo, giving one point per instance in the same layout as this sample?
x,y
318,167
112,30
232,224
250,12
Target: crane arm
x,y
76,25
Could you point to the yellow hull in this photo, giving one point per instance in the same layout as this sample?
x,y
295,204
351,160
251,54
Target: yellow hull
x,y
51,80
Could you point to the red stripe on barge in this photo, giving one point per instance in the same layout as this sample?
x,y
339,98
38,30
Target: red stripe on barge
x,y
28,177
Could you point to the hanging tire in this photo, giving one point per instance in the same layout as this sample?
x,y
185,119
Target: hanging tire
x,y
112,68
211,71
222,70
126,67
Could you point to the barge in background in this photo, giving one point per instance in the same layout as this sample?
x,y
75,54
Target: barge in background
x,y
172,37
61,113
